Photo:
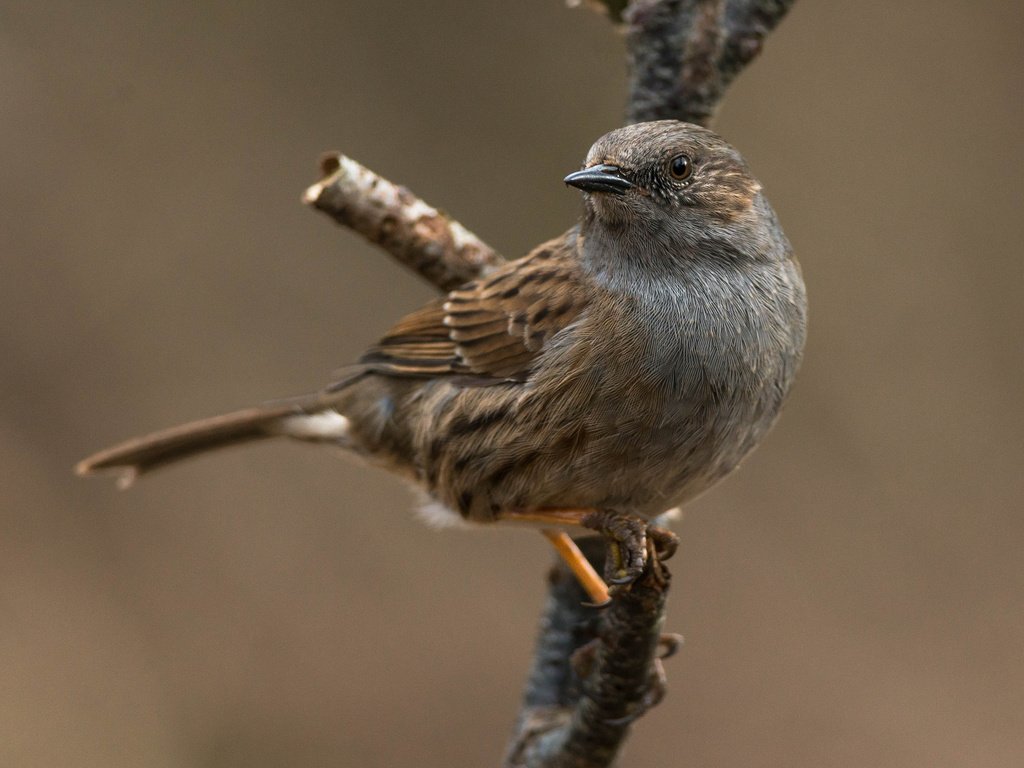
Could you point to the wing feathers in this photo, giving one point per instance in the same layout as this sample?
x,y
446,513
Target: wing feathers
x,y
493,327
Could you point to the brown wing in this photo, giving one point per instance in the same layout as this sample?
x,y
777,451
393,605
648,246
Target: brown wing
x,y
493,327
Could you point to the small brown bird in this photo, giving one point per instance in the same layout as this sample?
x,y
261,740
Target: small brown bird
x,y
611,374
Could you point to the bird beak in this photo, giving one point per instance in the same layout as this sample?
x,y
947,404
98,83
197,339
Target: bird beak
x,y
600,178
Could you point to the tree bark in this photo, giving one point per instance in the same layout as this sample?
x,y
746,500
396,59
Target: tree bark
x,y
419,236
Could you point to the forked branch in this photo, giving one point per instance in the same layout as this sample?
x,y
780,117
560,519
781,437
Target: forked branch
x,y
594,671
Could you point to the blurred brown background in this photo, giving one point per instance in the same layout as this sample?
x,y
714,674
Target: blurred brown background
x,y
852,597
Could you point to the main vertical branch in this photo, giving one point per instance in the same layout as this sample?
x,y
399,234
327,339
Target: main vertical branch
x,y
595,671
683,54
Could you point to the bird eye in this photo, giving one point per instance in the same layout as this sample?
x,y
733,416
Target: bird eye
x,y
681,167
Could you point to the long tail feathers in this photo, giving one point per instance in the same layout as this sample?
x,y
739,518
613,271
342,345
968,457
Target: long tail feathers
x,y
144,454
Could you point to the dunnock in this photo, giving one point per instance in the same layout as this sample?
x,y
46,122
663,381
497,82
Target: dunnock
x,y
613,373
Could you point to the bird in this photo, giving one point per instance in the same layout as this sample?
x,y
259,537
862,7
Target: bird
x,y
611,374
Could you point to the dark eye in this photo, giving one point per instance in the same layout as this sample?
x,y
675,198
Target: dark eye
x,y
681,167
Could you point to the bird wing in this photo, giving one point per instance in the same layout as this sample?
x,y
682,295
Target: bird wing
x,y
493,327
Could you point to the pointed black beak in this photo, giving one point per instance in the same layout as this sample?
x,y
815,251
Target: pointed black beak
x,y
600,178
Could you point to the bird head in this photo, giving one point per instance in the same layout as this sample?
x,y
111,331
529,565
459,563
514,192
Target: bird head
x,y
665,176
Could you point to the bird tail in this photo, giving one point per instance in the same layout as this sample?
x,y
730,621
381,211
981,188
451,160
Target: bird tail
x,y
309,420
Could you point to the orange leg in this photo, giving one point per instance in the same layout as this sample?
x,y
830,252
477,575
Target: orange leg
x,y
581,568
552,516
632,544
579,565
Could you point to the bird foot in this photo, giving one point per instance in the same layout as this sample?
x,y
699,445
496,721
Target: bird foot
x,y
632,544
627,544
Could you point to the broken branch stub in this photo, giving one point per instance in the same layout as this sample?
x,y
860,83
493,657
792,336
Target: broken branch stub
x,y
418,235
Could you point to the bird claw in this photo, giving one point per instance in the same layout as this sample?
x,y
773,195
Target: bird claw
x,y
665,542
662,544
621,580
669,644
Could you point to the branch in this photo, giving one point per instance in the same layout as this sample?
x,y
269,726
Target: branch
x,y
421,237
683,54
747,25
595,671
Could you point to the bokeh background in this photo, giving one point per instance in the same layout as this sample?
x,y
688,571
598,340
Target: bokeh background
x,y
853,596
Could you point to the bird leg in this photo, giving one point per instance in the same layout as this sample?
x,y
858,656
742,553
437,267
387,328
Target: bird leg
x,y
581,568
632,543
550,516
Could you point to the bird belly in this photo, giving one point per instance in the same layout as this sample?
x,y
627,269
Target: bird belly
x,y
629,451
